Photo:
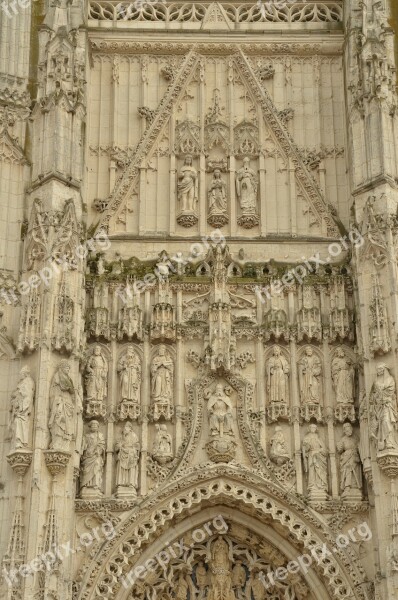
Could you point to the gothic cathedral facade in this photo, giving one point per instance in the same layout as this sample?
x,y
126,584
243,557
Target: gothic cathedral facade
x,y
199,300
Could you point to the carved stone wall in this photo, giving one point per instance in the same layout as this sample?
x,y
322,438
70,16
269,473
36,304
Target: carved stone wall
x,y
198,289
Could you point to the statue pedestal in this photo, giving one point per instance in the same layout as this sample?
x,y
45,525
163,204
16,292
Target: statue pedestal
x,y
388,462
221,449
20,460
344,412
91,494
124,491
317,495
351,495
187,219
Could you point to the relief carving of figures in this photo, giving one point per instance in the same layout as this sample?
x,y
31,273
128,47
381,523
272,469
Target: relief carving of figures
x,y
220,578
217,201
127,457
315,464
21,410
309,371
187,192
129,369
246,191
162,450
62,408
279,453
96,380
93,460
383,403
220,412
350,465
343,377
162,378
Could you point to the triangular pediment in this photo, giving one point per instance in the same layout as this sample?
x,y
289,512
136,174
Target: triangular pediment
x,y
221,137
10,150
216,18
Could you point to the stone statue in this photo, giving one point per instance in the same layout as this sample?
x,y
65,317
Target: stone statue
x,y
129,369
315,464
162,374
202,579
127,456
350,464
92,460
246,188
277,373
220,412
310,370
182,587
384,404
62,408
279,453
217,195
163,446
238,575
187,186
96,376
343,378
21,410
220,580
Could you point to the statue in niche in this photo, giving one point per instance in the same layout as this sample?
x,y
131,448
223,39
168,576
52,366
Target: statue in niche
x,y
62,409
92,460
202,579
279,453
21,410
238,576
217,195
96,378
343,378
162,373
385,415
129,369
187,187
350,464
277,372
220,412
182,587
246,188
315,464
220,579
127,457
309,377
162,450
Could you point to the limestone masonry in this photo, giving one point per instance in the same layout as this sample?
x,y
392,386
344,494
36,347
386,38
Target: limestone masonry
x,y
199,300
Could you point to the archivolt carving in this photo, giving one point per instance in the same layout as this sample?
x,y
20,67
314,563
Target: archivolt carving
x,y
341,572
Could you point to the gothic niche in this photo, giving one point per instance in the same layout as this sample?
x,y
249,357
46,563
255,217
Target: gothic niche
x,y
217,201
129,370
246,192
127,450
92,463
96,382
315,461
187,193
343,379
162,450
162,385
222,446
